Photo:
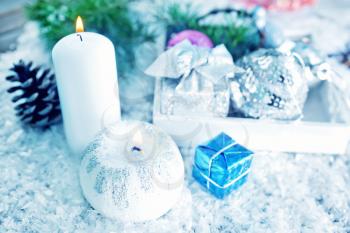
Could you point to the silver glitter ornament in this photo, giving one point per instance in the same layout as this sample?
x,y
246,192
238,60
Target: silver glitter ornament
x,y
319,69
273,86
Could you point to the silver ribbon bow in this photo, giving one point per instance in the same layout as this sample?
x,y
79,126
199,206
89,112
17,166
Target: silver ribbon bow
x,y
199,68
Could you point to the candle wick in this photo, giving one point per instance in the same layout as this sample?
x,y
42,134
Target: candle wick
x,y
81,39
135,148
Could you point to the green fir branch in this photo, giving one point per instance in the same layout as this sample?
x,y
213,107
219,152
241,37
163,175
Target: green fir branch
x,y
112,18
239,38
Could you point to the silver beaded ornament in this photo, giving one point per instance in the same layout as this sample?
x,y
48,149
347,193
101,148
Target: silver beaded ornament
x,y
273,86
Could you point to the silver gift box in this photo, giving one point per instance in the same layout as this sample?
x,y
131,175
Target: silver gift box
x,y
195,80
202,103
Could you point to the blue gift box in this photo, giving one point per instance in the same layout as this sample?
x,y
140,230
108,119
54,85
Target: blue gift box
x,y
221,165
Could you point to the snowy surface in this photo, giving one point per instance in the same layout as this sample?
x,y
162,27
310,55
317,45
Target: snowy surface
x,y
40,192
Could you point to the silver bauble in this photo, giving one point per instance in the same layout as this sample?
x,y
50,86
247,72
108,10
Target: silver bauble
x,y
273,86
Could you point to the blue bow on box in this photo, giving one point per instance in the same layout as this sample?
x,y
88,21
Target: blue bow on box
x,y
221,165
194,79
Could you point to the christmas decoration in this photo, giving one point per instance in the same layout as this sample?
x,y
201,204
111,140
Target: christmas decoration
x,y
237,29
37,100
132,171
195,37
312,58
222,165
87,83
279,4
115,19
274,85
343,56
196,79
298,192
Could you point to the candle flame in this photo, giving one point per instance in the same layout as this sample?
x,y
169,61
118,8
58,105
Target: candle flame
x,y
137,139
79,26
136,143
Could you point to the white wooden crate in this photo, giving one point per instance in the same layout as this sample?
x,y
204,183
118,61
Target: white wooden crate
x,y
314,134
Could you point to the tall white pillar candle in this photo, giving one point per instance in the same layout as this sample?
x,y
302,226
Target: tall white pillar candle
x,y
86,75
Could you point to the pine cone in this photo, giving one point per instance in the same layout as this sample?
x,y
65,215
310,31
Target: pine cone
x,y
37,102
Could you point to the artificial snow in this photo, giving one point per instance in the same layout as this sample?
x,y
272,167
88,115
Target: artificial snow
x,y
39,183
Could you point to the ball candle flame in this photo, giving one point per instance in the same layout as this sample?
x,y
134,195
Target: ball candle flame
x,y
137,141
140,146
86,74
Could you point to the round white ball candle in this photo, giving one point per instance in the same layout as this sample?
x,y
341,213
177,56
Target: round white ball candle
x,y
132,171
86,76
